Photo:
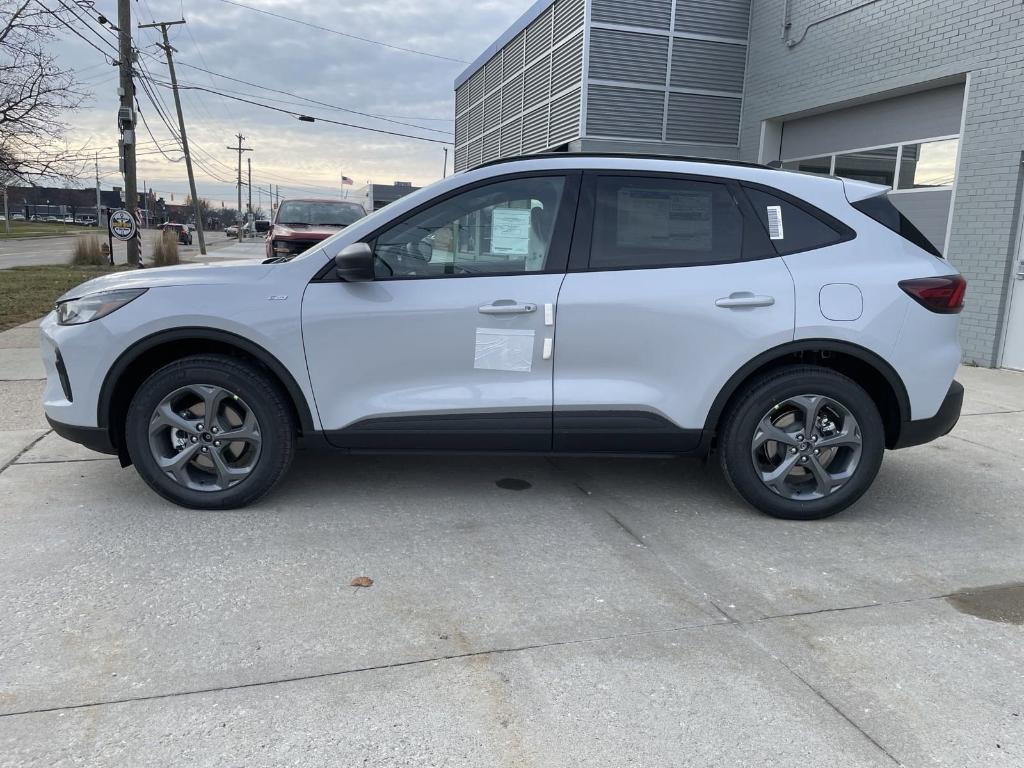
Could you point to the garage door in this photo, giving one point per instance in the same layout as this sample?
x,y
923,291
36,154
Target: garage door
x,y
909,143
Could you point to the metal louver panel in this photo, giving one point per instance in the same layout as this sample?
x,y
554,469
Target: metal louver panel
x,y
568,17
513,56
703,119
476,121
535,130
624,112
565,118
461,98
707,65
538,79
492,111
567,64
724,18
538,36
476,87
628,56
461,128
492,146
476,153
656,14
492,73
460,158
512,138
512,98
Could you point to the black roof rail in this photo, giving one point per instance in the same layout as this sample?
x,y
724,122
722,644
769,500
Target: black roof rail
x,y
622,156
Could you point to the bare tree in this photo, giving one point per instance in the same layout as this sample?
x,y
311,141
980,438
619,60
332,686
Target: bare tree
x,y
35,97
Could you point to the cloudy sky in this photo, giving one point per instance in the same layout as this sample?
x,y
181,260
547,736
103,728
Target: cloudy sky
x,y
288,61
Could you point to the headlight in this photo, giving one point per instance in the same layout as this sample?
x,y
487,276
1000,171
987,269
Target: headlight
x,y
94,306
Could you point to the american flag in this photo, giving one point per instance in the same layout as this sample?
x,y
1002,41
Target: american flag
x,y
345,180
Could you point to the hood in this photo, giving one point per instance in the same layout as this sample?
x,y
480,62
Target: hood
x,y
319,232
223,273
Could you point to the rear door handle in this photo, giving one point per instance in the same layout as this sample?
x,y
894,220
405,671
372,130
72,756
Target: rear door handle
x,y
507,307
744,299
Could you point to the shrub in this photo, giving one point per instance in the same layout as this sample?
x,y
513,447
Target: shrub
x,y
165,252
88,253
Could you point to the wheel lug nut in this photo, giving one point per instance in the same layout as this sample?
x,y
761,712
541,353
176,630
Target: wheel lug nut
x,y
216,443
205,449
803,458
800,436
215,430
195,439
199,427
817,451
792,450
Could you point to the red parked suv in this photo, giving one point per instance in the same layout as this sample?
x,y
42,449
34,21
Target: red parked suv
x,y
302,223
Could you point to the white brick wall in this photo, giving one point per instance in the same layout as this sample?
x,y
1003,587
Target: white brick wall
x,y
893,44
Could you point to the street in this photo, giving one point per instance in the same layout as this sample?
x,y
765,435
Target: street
x,y
612,612
35,251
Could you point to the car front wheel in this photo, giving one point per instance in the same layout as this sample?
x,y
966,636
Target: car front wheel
x,y
210,432
802,443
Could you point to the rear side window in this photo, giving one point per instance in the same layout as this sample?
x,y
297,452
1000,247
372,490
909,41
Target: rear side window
x,y
791,228
888,215
663,222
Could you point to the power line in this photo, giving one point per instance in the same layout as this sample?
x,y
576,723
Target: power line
x,y
310,119
343,34
387,118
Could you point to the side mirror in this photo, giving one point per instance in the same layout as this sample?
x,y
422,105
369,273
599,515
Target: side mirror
x,y
354,263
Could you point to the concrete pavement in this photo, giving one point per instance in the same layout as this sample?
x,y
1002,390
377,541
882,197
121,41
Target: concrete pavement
x,y
37,251
616,612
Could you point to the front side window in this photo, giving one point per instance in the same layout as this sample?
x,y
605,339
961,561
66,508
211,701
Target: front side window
x,y
501,228
661,222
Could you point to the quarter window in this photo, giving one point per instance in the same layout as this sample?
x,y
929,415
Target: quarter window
x,y
501,228
660,222
790,227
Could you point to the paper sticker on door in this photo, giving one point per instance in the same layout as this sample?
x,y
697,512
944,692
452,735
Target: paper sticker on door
x,y
503,349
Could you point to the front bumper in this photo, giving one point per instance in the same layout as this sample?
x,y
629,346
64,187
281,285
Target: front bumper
x,y
942,423
93,438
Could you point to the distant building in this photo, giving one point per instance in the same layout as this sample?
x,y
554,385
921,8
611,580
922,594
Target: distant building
x,y
373,197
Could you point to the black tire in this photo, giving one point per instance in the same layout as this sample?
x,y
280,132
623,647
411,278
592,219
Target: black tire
x,y
758,401
258,393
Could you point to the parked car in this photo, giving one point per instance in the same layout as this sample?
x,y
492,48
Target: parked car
x,y
302,223
794,325
231,230
183,232
52,219
18,217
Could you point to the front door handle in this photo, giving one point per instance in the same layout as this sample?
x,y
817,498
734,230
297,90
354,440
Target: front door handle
x,y
507,307
744,299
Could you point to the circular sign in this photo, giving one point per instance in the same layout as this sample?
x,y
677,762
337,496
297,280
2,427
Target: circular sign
x,y
122,224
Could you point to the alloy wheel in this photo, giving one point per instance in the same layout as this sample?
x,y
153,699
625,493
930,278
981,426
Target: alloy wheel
x,y
205,437
806,447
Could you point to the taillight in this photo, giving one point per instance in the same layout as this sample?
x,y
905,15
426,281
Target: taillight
x,y
944,295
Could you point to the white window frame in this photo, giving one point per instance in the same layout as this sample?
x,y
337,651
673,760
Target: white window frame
x,y
899,159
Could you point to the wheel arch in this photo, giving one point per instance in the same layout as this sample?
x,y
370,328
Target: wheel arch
x,y
881,381
149,354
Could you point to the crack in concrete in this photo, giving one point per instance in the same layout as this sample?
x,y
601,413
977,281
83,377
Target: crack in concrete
x,y
23,451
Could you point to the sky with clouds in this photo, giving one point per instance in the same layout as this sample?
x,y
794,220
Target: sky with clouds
x,y
287,61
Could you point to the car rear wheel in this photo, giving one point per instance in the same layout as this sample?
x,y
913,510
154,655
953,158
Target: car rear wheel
x,y
802,443
210,432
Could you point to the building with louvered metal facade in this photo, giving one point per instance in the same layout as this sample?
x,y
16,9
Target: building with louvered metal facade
x,y
632,75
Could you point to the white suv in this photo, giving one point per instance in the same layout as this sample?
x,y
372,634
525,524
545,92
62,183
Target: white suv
x,y
797,325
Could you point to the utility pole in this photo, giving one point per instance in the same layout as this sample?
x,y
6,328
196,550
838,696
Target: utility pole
x,y
163,25
240,149
98,214
126,119
253,218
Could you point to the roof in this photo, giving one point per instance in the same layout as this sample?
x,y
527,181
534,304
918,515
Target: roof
x,y
622,156
518,26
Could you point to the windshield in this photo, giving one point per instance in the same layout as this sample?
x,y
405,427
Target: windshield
x,y
323,213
